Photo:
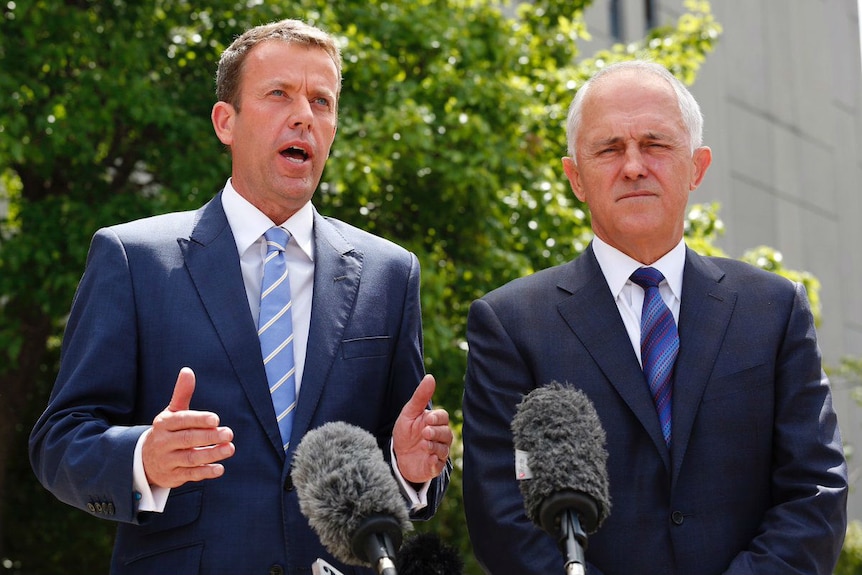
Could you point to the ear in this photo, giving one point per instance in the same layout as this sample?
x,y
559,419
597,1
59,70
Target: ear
x,y
701,159
574,176
223,115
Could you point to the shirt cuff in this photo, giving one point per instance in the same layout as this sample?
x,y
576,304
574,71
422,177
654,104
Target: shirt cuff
x,y
148,497
418,499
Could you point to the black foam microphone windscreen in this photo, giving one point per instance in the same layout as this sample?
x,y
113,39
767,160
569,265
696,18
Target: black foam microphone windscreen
x,y
348,493
558,429
427,554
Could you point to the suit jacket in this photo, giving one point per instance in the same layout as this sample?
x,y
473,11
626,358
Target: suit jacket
x,y
166,292
755,480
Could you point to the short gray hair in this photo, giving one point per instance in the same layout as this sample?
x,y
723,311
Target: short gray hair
x,y
688,106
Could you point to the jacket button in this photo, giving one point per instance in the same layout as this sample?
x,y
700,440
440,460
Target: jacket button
x,y
288,483
677,517
276,570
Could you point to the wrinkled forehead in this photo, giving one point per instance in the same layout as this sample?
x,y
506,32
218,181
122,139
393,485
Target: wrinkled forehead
x,y
630,87
633,102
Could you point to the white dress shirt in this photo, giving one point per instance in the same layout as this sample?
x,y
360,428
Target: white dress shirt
x,y
617,268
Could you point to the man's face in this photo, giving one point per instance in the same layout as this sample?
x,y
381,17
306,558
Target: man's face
x,y
634,164
281,135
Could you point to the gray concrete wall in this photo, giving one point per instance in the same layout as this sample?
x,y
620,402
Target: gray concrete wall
x,y
782,101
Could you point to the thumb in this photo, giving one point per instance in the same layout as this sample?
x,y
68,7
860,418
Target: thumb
x,y
418,403
183,390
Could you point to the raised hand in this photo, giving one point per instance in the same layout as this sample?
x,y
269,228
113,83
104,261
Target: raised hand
x,y
185,445
422,437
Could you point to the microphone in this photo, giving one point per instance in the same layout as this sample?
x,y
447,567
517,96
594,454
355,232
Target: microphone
x,y
561,465
348,494
427,554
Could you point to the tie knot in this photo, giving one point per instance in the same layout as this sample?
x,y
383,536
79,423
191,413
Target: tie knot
x,y
647,277
276,239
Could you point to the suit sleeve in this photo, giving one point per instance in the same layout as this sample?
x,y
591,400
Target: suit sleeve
x,y
82,446
504,540
804,529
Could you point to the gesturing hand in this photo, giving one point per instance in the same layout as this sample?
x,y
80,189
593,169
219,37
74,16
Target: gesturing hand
x,y
185,445
422,437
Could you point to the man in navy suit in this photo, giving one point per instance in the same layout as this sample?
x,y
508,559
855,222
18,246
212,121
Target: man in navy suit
x,y
166,315
751,478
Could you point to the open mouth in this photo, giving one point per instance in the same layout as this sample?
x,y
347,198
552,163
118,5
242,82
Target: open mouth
x,y
295,154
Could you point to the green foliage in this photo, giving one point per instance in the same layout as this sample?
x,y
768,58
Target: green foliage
x,y
850,560
103,119
449,142
770,259
849,373
702,230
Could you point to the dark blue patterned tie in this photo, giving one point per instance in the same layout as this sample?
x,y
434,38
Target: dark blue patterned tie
x,y
275,329
659,345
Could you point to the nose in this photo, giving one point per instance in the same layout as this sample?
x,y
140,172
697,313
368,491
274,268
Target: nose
x,y
301,115
634,166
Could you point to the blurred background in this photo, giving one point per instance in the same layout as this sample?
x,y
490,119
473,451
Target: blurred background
x,y
450,138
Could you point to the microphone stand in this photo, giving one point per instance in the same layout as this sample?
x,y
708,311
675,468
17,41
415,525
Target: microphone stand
x,y
571,535
380,553
377,539
562,515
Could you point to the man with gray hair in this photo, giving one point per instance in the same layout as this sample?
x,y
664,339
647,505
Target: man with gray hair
x,y
724,454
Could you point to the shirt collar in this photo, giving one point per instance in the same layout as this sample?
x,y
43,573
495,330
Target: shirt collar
x,y
248,223
617,267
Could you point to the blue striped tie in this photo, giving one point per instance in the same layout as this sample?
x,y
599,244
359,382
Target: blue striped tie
x,y
275,329
659,345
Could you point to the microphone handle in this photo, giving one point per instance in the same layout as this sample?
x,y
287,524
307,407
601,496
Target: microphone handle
x,y
571,535
386,567
380,550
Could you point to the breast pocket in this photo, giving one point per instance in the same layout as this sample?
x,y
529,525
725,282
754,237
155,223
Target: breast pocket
x,y
365,347
750,381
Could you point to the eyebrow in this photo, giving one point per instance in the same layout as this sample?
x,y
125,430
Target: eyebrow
x,y
653,136
284,84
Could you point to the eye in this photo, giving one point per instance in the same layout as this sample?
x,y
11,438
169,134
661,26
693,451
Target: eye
x,y
321,101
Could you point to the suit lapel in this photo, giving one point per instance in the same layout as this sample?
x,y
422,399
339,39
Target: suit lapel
x,y
337,268
705,312
593,316
213,264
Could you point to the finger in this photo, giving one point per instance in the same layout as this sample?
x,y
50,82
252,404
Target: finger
x,y
183,475
436,418
439,449
211,471
435,466
189,438
195,456
171,466
418,403
183,390
441,434
202,456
